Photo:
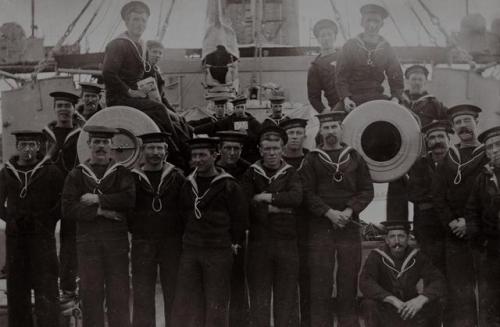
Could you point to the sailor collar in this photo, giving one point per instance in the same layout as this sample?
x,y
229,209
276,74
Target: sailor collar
x,y
344,157
140,55
194,187
362,44
27,175
49,130
277,121
476,153
493,177
408,263
167,168
87,171
259,169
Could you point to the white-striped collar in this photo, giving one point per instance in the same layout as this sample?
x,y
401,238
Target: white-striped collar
x,y
50,132
166,170
257,167
408,263
87,171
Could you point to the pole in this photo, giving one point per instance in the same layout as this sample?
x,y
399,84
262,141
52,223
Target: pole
x,y
466,7
33,27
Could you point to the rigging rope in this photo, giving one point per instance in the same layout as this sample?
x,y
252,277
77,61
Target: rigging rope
x,y
432,38
90,22
338,18
161,35
436,22
396,25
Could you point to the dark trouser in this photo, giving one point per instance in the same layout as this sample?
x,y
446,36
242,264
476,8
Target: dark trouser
x,y
489,288
397,199
147,256
304,275
431,237
360,99
344,245
273,268
67,256
239,308
460,308
203,288
33,264
103,267
379,314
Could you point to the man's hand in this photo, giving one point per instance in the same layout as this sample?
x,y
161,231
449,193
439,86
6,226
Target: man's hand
x,y
235,248
336,218
349,105
412,307
263,197
346,213
136,94
395,302
459,227
275,209
89,199
109,214
394,99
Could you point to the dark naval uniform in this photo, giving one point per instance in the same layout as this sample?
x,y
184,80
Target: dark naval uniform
x,y
425,106
248,123
154,71
383,276
451,188
296,162
237,170
102,243
321,79
271,121
273,261
428,229
156,226
62,144
29,204
337,180
216,216
363,67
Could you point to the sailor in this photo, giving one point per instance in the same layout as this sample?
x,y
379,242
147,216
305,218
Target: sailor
x,y
337,187
418,100
451,188
389,282
153,55
124,66
294,151
97,194
91,99
321,74
216,217
62,135
364,63
230,149
30,188
274,191
156,226
240,120
219,106
482,216
277,116
428,230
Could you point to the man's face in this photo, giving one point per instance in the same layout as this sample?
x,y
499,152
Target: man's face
x,y
220,110
296,137
397,241
271,152
64,110
230,152
154,55
331,132
90,101
136,23
203,159
100,148
27,149
416,82
155,153
438,142
326,38
239,110
465,126
372,23
276,109
492,146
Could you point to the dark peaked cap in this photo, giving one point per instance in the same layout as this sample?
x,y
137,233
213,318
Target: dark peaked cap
x,y
100,131
157,137
66,96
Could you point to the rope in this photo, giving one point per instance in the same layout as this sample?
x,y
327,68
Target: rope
x,y
90,22
396,25
435,21
432,38
338,18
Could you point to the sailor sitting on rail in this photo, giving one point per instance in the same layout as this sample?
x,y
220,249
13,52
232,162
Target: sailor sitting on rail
x,y
220,67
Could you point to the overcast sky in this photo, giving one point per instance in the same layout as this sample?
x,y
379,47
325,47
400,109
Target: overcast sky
x,y
187,21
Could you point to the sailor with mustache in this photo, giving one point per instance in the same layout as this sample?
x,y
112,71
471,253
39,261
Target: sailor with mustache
x,y
450,190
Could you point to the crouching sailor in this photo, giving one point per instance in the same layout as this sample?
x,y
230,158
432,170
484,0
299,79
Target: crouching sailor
x,y
389,282
29,203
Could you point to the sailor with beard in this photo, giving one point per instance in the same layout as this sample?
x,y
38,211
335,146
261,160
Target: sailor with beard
x,y
483,223
156,227
91,97
337,187
97,194
62,135
389,283
30,189
429,232
451,188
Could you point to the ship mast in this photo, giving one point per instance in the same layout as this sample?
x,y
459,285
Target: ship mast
x,y
33,26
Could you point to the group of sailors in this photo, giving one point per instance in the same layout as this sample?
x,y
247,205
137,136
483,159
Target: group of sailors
x,y
254,228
